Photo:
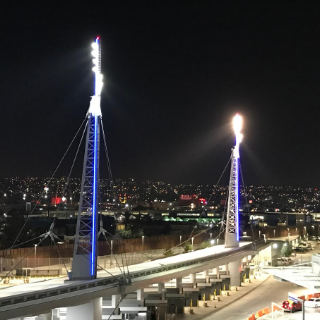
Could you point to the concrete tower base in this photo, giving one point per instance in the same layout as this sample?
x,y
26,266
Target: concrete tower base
x,y
88,311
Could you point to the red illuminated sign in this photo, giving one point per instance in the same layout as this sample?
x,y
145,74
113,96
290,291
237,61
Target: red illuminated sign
x,y
185,197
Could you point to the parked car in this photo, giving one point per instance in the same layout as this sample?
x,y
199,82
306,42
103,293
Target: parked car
x,y
291,307
313,303
304,246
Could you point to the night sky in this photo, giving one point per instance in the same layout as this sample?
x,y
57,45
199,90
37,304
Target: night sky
x,y
175,73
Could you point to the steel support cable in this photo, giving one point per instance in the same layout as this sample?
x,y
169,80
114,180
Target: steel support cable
x,y
23,258
121,298
216,185
144,254
20,244
108,159
59,254
224,209
125,257
54,172
74,160
101,267
191,233
203,231
117,263
244,187
123,266
110,177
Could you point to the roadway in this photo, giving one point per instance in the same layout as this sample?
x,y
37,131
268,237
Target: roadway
x,y
262,297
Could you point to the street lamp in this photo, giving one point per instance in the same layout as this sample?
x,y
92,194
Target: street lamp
x,y
192,242
274,233
35,255
142,238
111,249
259,234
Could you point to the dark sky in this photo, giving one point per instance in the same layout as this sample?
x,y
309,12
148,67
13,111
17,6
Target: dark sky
x,y
175,73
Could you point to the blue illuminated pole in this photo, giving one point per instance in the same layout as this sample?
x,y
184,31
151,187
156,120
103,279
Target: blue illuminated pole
x,y
94,193
232,227
84,265
96,113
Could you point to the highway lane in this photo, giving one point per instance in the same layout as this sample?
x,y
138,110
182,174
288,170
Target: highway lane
x,y
270,291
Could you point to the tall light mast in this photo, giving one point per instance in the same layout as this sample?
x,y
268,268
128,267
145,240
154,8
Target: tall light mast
x,y
232,228
84,265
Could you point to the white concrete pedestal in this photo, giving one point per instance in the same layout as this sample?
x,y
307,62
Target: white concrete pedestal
x,y
234,270
88,311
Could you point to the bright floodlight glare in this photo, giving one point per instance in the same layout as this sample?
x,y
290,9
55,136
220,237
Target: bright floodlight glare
x,y
94,53
237,123
94,45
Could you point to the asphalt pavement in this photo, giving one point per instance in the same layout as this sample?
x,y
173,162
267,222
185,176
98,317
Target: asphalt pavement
x,y
269,291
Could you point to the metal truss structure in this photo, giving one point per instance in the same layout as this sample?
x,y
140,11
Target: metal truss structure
x,y
84,264
232,227
231,236
87,224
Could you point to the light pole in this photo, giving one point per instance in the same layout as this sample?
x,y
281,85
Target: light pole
x,y
259,234
274,233
111,249
35,255
142,238
192,242
180,242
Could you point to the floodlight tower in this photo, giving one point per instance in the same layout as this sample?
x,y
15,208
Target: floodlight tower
x,y
84,265
232,228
